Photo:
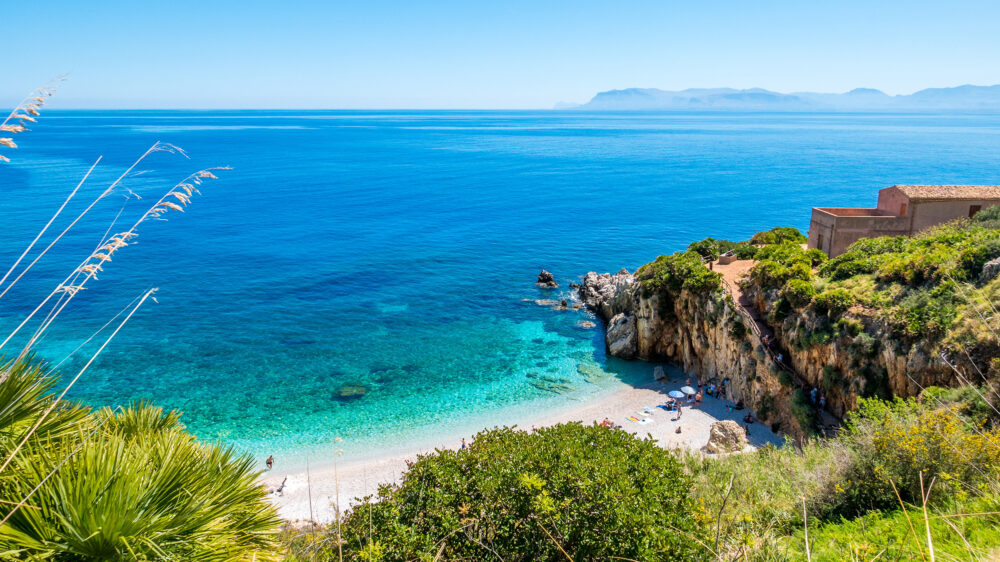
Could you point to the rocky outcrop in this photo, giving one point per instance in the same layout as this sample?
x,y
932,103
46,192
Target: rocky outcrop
x,y
608,294
709,336
546,280
726,436
990,271
621,336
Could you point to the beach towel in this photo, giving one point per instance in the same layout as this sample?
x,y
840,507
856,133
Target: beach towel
x,y
632,418
648,410
644,413
644,421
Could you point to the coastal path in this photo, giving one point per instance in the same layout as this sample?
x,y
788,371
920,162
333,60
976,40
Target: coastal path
x,y
731,274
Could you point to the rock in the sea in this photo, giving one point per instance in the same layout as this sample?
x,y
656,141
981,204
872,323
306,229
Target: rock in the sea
x,y
607,294
659,373
350,391
990,271
585,324
622,338
726,436
546,280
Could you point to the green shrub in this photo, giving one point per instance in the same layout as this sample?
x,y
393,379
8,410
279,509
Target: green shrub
x,y
833,302
799,292
803,411
988,217
832,378
711,248
903,441
593,491
745,251
676,272
816,256
928,312
784,378
778,235
863,346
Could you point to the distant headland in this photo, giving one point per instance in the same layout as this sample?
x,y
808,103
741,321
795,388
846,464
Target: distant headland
x,y
968,97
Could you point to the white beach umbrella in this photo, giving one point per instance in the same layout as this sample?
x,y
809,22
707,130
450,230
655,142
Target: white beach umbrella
x,y
675,394
687,390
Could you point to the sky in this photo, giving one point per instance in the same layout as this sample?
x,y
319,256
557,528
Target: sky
x,y
470,54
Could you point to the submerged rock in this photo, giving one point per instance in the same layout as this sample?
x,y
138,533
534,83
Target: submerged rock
x,y
546,280
586,324
350,391
726,436
592,372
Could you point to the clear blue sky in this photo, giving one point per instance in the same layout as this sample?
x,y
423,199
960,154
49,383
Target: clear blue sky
x,y
472,54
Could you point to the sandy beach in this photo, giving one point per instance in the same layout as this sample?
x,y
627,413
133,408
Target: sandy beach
x,y
360,478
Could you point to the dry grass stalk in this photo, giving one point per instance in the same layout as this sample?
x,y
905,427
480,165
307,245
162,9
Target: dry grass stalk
x,y
25,112
94,263
48,224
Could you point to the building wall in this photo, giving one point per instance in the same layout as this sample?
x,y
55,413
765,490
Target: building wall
x,y
839,232
930,213
891,199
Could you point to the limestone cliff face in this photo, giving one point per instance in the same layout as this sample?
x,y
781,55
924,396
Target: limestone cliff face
x,y
709,338
703,334
862,360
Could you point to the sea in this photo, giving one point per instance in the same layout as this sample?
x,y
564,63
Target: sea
x,y
370,275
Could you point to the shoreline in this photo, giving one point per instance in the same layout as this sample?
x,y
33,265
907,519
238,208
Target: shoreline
x,y
361,477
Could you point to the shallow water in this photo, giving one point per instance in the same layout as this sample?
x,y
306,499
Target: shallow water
x,y
396,250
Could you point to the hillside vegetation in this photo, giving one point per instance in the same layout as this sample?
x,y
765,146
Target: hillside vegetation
x,y
593,493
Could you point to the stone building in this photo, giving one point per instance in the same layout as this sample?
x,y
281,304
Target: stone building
x,y
901,209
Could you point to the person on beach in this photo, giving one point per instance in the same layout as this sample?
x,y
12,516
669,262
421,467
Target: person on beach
x,y
269,462
697,400
822,402
678,412
607,423
462,448
746,429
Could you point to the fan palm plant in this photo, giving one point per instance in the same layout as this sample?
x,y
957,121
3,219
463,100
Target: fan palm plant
x,y
140,488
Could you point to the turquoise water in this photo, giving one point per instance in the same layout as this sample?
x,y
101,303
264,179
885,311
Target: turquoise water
x,y
397,250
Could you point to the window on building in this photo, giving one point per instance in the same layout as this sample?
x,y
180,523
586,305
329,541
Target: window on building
x,y
819,241
902,210
973,209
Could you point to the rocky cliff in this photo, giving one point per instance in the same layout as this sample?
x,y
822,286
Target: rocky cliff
x,y
710,336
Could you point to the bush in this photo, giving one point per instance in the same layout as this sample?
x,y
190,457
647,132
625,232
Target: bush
x,y
833,302
745,251
988,217
832,378
926,312
778,235
676,272
803,411
896,442
593,491
711,248
799,292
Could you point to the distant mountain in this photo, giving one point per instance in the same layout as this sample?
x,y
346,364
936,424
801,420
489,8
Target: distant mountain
x,y
860,99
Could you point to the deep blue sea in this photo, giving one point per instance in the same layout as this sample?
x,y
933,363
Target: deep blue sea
x,y
398,250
